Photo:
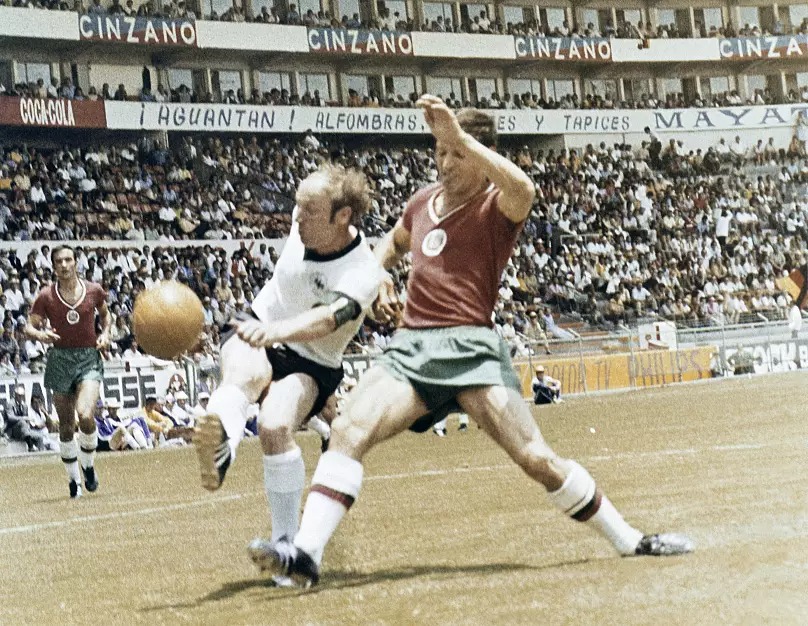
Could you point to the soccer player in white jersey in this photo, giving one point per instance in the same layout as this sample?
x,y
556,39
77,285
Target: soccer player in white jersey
x,y
289,355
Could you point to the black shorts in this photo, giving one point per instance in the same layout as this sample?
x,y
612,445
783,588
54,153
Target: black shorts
x,y
286,361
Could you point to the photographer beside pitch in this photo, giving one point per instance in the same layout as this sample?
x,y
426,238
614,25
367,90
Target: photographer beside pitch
x,y
461,232
63,314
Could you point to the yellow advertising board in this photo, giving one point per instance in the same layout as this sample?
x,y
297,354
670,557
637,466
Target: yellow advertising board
x,y
603,372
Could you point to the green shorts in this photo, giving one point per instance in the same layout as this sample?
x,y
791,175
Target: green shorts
x,y
67,367
439,363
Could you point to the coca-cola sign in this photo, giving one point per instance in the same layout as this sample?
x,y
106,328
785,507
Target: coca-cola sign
x,y
52,112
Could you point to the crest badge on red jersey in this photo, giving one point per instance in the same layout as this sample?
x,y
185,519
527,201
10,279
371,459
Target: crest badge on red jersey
x,y
434,242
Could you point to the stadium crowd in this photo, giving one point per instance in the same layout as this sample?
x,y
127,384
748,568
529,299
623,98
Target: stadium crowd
x,y
482,23
617,233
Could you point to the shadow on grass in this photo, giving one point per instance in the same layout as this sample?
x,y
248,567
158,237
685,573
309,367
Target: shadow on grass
x,y
339,579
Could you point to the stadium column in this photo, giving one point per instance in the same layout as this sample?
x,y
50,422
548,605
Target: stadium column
x,y
691,18
246,82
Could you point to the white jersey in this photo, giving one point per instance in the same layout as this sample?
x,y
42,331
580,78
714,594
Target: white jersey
x,y
303,280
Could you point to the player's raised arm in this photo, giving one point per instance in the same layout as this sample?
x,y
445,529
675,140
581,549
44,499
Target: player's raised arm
x,y
516,189
393,246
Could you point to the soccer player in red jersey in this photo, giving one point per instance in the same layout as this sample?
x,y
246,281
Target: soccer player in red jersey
x,y
461,232
63,314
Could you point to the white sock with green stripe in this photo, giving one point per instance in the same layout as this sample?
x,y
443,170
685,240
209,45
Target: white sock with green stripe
x,y
87,446
69,451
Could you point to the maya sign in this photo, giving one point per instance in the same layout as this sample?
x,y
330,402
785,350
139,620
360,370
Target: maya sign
x,y
352,41
52,112
138,30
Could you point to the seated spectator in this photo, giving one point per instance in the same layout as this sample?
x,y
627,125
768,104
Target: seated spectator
x,y
201,407
116,432
546,390
41,422
18,423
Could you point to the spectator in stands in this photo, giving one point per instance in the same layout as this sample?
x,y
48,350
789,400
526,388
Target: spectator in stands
x,y
41,422
546,390
181,413
201,407
116,432
18,422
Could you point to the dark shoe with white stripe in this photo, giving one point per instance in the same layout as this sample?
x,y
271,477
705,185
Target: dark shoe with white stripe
x,y
75,490
667,544
284,559
90,479
213,450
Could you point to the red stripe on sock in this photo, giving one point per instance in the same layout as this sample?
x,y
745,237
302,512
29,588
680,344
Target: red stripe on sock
x,y
343,498
586,513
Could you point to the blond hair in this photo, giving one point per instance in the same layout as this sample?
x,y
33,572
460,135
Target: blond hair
x,y
346,187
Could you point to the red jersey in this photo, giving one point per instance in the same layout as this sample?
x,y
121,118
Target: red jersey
x,y
74,324
457,259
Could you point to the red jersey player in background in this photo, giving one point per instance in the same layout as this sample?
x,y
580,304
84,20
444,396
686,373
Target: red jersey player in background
x,y
64,314
461,232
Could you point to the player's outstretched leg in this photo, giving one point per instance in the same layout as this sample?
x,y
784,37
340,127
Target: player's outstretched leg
x,y
246,372
506,418
377,409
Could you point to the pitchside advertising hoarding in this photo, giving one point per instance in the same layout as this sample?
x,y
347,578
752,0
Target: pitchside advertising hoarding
x,y
258,119
129,388
138,30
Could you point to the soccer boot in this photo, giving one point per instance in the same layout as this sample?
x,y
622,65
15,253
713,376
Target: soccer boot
x,y
666,544
284,559
90,479
282,582
440,432
463,428
213,450
324,444
75,490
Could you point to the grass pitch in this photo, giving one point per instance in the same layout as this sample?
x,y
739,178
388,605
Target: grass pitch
x,y
446,531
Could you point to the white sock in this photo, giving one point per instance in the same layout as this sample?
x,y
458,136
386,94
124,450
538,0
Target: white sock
x,y
284,479
69,451
611,525
230,403
441,425
334,487
464,419
87,445
580,498
320,426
